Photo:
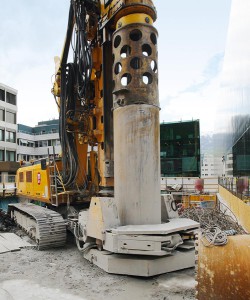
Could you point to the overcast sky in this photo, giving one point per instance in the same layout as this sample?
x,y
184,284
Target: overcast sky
x,y
192,39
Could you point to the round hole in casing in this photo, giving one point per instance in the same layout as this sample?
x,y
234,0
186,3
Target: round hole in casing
x,y
125,51
146,50
136,63
117,41
153,38
153,65
126,79
118,68
135,35
147,78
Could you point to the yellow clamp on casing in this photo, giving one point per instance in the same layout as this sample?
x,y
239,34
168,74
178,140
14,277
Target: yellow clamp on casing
x,y
134,18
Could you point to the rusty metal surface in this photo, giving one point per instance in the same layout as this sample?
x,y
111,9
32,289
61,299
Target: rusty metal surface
x,y
135,67
223,273
117,9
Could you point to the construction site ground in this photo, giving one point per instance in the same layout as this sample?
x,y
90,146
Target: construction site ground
x,y
64,274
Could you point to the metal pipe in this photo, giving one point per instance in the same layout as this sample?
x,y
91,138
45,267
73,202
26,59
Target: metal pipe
x,y
136,121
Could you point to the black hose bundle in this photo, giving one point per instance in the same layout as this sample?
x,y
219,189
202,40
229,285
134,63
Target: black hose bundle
x,y
67,139
75,82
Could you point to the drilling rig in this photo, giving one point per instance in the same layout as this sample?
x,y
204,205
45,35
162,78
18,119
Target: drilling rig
x,y
105,187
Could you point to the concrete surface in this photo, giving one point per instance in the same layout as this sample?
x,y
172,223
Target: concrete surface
x,y
64,274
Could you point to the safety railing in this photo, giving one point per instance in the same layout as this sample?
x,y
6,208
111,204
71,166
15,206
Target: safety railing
x,y
238,186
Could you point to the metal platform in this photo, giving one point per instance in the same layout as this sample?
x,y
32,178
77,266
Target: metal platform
x,y
174,225
143,266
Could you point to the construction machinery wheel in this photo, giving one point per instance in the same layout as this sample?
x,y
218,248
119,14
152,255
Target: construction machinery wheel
x,y
45,226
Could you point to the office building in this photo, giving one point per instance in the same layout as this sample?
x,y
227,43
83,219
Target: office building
x,y
8,130
180,149
211,166
34,142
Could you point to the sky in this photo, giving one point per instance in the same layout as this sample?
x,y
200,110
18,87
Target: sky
x,y
192,41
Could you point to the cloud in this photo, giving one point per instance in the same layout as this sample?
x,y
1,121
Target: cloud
x,y
29,40
237,64
197,101
235,76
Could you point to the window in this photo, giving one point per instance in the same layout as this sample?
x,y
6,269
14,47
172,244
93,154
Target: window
x,y
163,154
2,114
2,95
21,177
11,98
1,155
42,143
107,2
31,144
1,135
23,142
10,156
10,117
52,143
29,176
10,137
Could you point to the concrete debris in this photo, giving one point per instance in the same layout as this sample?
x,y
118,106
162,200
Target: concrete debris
x,y
12,242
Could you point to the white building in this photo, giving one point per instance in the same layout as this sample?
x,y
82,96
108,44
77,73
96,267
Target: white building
x,y
8,130
8,125
34,142
211,166
228,165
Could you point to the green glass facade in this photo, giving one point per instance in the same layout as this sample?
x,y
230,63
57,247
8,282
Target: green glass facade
x,y
180,149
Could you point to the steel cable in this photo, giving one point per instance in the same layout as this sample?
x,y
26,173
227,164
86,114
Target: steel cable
x,y
215,225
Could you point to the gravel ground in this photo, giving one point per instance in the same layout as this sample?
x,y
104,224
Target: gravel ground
x,y
64,274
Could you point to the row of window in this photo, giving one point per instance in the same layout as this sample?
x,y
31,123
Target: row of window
x,y
27,157
7,136
7,156
38,144
28,176
53,130
7,116
10,98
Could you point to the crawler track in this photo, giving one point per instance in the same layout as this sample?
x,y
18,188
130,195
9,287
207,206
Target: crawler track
x,y
45,226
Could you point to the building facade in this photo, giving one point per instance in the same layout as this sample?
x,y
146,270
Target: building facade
x,y
8,130
180,149
233,114
35,142
211,166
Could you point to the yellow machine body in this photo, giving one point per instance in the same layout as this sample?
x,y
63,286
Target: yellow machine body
x,y
33,183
